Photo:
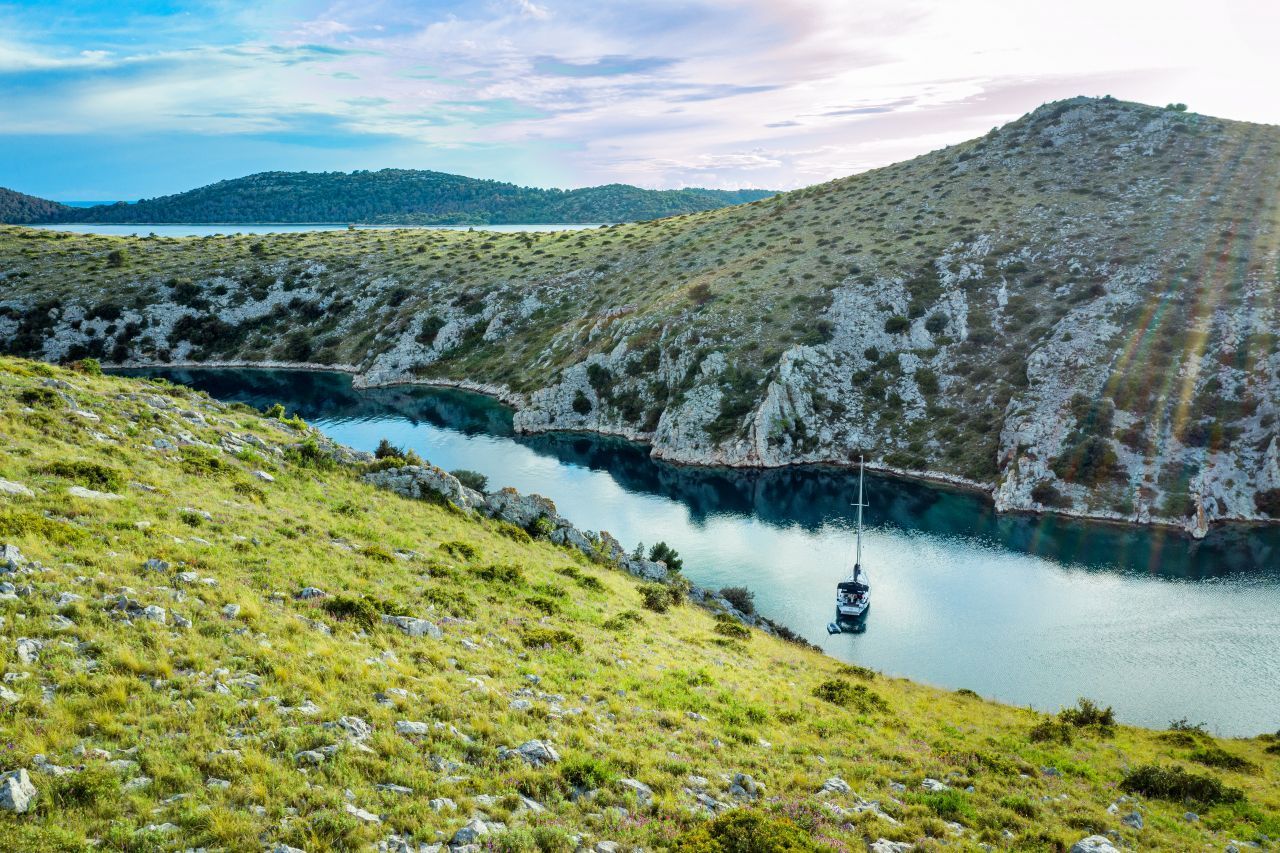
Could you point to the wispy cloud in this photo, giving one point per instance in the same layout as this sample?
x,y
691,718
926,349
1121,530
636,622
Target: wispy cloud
x,y
666,93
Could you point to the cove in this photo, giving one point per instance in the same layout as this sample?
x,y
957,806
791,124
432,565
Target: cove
x,y
1032,611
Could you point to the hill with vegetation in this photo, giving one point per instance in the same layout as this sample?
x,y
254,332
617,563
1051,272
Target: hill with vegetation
x,y
1075,313
19,208
218,630
394,196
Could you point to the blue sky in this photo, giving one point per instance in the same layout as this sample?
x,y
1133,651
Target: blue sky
x,y
104,100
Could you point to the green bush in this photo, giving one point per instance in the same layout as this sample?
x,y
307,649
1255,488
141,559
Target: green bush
x,y
948,805
538,637
1268,502
1179,786
664,553
862,672
623,620
748,831
454,602
309,455
846,694
494,573
45,398
471,479
743,599
363,610
544,605
1088,714
897,324
460,550
586,772
1212,755
87,366
84,789
89,474
203,462
117,258
727,626
657,597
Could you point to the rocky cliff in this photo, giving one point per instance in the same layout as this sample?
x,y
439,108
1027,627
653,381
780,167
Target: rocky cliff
x,y
1075,313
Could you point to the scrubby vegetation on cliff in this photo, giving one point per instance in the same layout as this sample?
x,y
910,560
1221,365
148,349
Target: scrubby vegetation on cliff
x,y
945,316
214,633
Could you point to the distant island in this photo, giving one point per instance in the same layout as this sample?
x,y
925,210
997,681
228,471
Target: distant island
x,y
385,197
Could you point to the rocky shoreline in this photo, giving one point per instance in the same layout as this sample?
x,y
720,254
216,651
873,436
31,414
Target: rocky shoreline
x,y
1197,529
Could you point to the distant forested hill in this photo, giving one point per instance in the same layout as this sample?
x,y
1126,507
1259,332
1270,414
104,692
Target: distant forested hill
x,y
18,208
401,196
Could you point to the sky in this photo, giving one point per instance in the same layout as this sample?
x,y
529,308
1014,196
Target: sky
x,y
121,100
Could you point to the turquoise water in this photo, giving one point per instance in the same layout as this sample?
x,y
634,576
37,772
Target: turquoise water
x,y
214,230
1025,610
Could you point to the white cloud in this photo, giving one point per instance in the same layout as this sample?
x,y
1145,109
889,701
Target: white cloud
x,y
727,93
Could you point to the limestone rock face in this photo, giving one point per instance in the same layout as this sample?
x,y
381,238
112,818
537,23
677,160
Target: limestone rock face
x,y
423,481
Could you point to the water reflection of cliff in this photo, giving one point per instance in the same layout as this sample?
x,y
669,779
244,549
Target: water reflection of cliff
x,y
806,496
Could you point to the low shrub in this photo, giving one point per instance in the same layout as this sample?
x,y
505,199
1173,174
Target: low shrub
x,y
1177,785
544,605
586,773
1212,755
740,597
203,462
623,620
949,805
514,533
471,479
363,610
657,597
451,601
1021,805
494,573
88,474
87,366
45,398
460,550
727,626
748,831
1088,714
852,669
309,455
83,789
538,637
846,694
1051,730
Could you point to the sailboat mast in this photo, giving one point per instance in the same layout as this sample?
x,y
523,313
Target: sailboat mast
x,y
858,561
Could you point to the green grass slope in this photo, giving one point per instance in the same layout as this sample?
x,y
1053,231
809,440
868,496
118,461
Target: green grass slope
x,y
250,716
400,196
1076,313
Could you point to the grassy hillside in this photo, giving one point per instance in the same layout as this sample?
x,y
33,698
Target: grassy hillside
x,y
241,711
1076,312
399,196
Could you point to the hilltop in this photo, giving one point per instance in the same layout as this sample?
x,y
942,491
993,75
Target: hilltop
x,y
219,630
395,196
1074,313
16,207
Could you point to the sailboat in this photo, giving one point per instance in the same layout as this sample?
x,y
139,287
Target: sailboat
x,y
853,595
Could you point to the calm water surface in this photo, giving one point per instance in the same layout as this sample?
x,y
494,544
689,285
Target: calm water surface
x,y
1028,611
249,228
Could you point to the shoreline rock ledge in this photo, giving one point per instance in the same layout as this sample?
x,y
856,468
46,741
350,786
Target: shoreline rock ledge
x,y
537,516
